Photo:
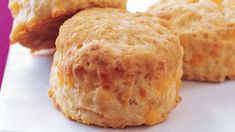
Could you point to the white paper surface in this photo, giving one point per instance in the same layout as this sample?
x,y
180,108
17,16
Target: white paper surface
x,y
25,106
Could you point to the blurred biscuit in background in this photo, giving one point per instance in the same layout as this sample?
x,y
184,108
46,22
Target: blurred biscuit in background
x,y
207,33
37,22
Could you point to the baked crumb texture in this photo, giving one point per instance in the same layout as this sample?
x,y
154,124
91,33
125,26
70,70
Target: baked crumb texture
x,y
207,33
37,22
116,69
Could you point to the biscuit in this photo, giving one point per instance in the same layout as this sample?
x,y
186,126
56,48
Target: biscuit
x,y
36,22
115,69
207,34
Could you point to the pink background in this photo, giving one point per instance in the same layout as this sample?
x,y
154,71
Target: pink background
x,y
5,27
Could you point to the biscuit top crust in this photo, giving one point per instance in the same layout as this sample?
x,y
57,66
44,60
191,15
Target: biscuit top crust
x,y
119,34
119,31
199,16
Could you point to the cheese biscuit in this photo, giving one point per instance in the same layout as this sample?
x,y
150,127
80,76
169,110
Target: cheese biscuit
x,y
116,69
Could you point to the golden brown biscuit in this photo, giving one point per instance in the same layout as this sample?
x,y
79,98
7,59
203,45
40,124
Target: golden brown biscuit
x,y
116,69
206,34
37,22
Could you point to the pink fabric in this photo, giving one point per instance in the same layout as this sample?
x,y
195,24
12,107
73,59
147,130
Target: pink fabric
x,y
5,27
